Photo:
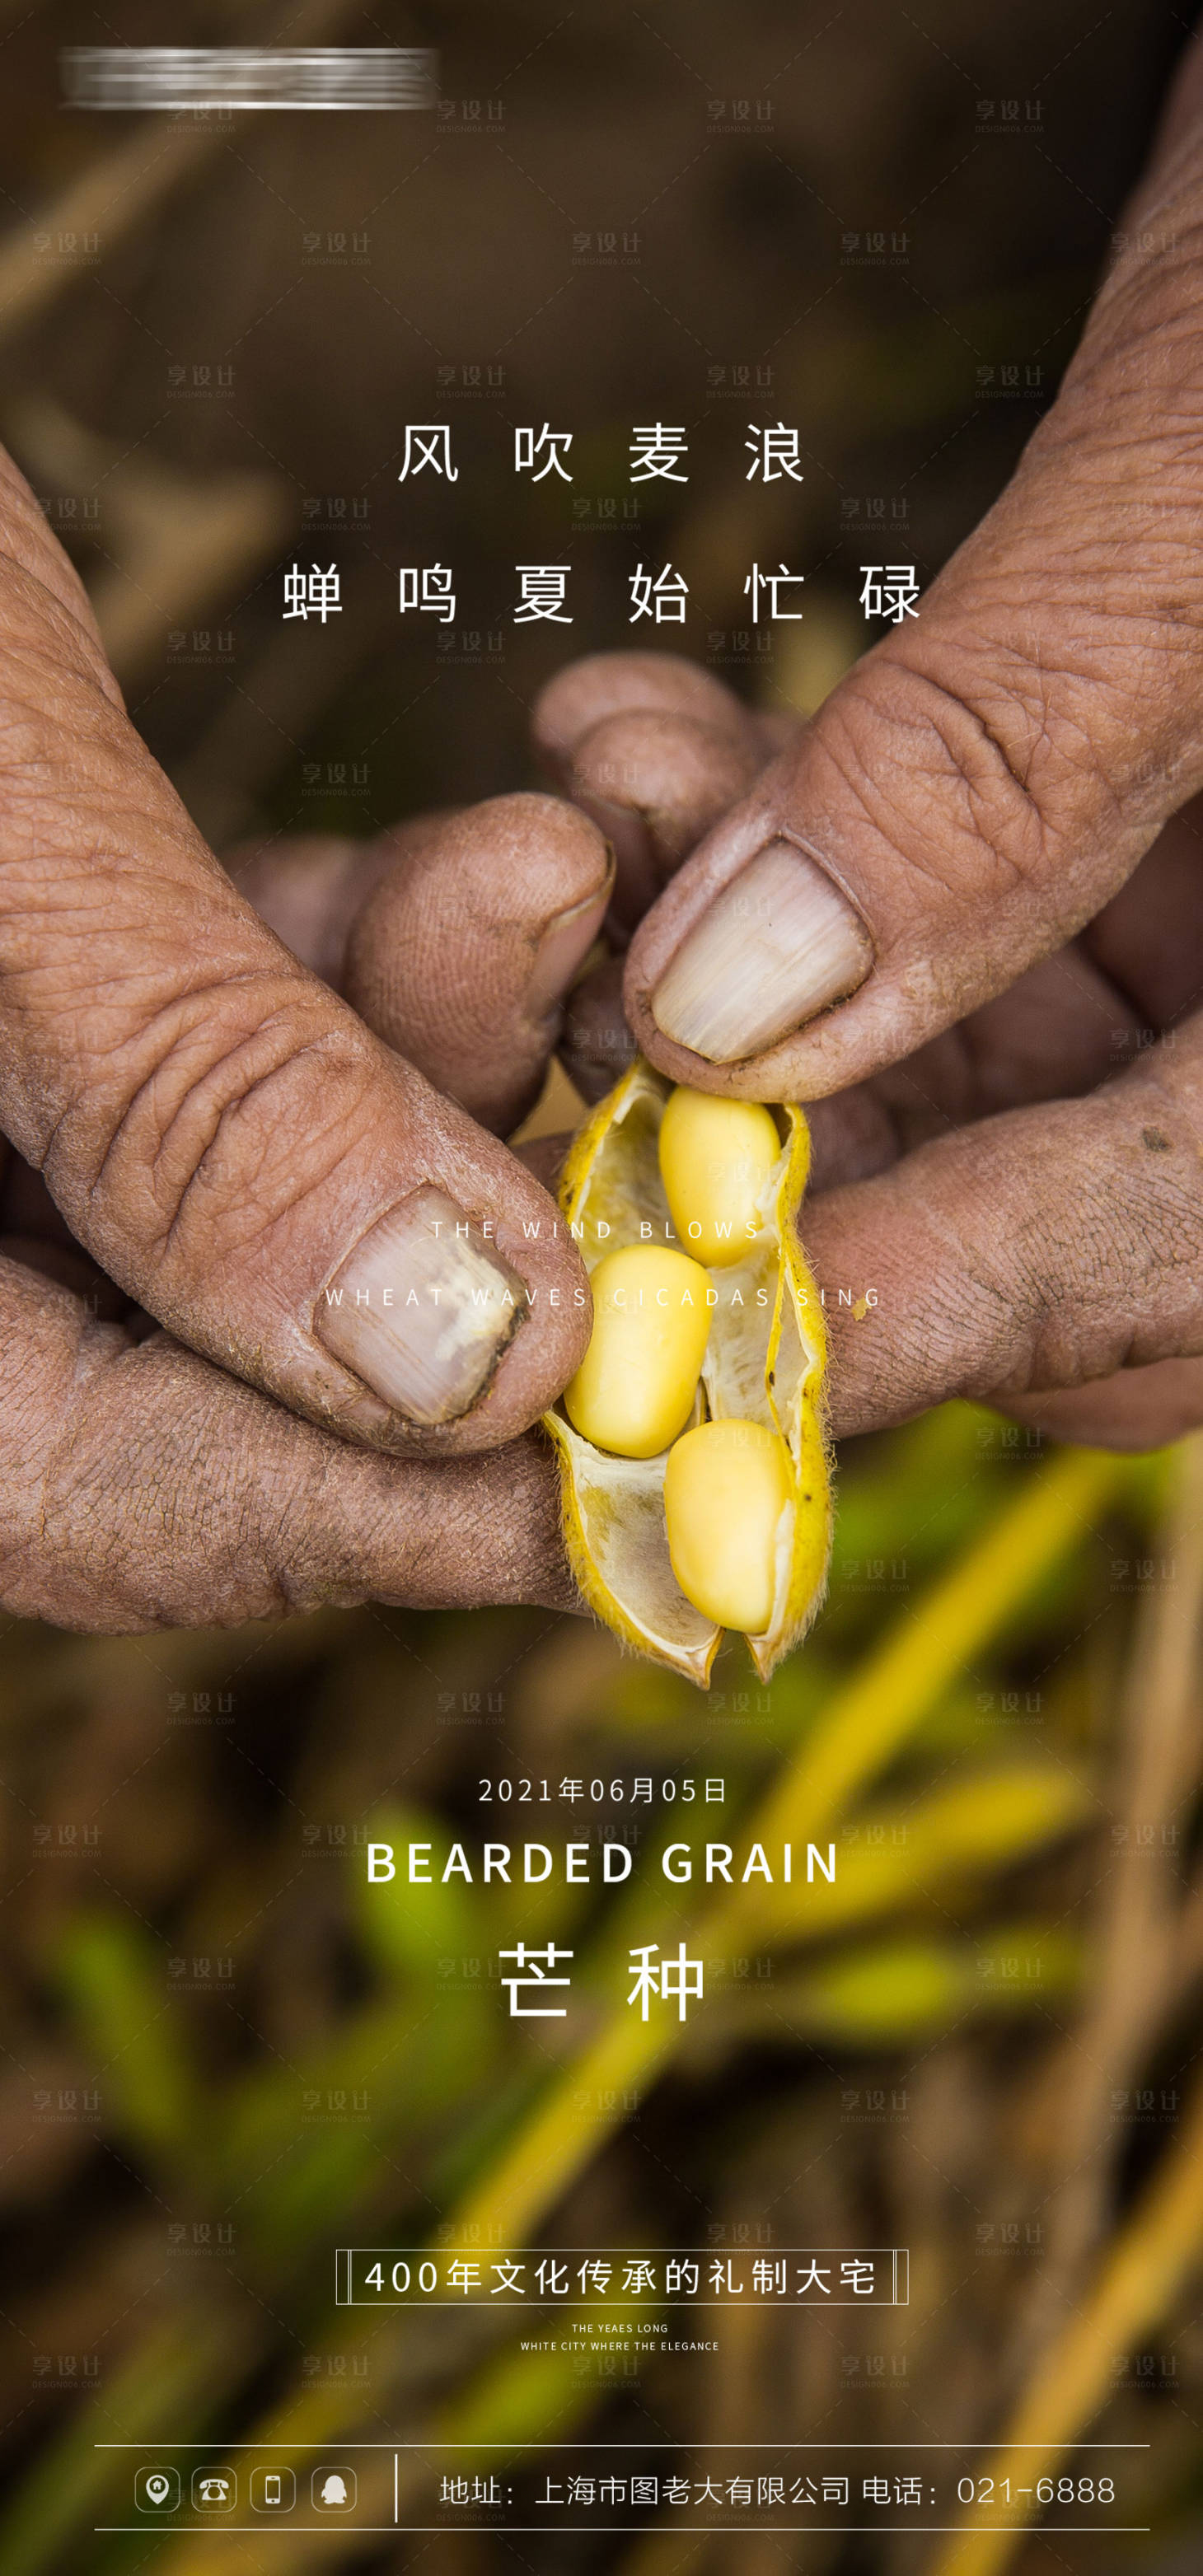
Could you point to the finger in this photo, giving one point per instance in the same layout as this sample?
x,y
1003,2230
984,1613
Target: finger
x,y
463,954
225,1137
140,1488
1149,939
1184,101
1070,1022
1040,1250
477,1019
655,750
33,1232
308,888
68,1267
602,685
981,783
1060,1030
596,1045
1137,1408
654,784
546,1156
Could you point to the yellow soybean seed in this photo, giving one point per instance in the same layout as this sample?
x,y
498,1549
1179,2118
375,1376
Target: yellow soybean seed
x,y
635,1388
716,1157
726,1485
735,1551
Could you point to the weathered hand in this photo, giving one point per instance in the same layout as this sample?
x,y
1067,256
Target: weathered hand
x,y
141,1484
221,1133
962,911
204,1135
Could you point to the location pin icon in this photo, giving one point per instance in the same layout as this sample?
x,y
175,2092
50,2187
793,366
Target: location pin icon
x,y
156,2489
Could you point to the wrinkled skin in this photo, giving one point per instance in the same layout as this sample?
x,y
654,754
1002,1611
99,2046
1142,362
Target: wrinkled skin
x,y
1031,1222
1009,1107
201,1129
214,1082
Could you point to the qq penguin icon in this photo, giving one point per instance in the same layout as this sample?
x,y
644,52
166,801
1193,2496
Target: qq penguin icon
x,y
334,2490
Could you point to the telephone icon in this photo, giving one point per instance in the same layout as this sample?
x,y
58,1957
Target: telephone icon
x,y
214,2490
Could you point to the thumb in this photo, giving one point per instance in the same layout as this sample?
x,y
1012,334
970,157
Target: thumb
x,y
982,782
223,1134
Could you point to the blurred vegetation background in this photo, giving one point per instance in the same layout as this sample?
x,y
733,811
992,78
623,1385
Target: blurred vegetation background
x,y
223,2058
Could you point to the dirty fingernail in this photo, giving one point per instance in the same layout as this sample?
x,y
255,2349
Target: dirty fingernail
x,y
422,1309
776,946
565,943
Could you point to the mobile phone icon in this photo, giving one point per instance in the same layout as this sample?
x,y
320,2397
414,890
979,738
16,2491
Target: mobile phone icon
x,y
273,2490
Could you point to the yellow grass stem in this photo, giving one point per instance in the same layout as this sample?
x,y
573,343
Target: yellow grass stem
x,y
1148,2266
864,1726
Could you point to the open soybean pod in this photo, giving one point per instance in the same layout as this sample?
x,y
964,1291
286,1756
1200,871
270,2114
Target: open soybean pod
x,y
762,1367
